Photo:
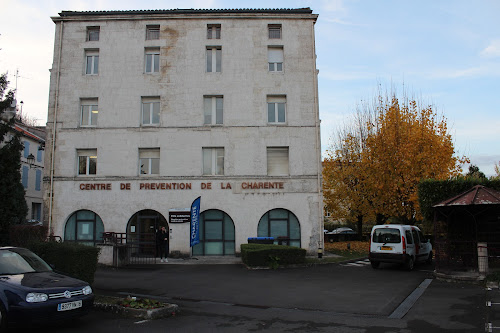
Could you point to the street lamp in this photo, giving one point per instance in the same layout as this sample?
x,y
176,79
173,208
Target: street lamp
x,y
31,161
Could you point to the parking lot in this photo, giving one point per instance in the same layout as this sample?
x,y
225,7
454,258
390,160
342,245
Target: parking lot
x,y
321,298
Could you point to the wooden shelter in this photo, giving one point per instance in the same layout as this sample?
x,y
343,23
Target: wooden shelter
x,y
463,222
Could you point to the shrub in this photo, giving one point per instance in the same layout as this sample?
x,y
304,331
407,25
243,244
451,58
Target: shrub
x,y
76,260
23,235
271,255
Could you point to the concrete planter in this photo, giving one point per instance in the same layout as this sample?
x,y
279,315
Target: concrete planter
x,y
166,311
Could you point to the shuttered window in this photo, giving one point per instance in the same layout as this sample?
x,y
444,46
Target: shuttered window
x,y
277,161
26,149
38,180
275,58
274,31
25,174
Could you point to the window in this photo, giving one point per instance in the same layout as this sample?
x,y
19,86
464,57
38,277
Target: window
x,y
24,176
150,111
26,151
279,223
36,211
277,161
275,58
152,32
92,62
89,112
213,161
276,109
214,54
152,60
93,34
87,162
213,110
84,226
149,161
39,155
38,181
274,31
213,31
216,234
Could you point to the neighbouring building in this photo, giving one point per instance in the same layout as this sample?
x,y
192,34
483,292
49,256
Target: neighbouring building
x,y
150,109
32,164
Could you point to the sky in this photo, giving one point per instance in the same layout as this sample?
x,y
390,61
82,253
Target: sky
x,y
446,53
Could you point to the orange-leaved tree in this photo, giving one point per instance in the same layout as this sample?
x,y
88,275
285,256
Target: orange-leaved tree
x,y
374,168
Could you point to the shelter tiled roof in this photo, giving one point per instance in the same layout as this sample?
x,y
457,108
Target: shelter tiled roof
x,y
477,195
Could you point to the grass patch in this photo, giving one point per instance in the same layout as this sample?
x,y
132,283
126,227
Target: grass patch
x,y
349,249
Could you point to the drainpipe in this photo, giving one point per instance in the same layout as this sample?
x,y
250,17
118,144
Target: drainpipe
x,y
318,148
54,127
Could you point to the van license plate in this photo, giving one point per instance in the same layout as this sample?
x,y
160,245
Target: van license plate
x,y
386,248
69,306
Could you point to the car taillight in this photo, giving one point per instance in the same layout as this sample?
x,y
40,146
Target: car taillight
x,y
404,244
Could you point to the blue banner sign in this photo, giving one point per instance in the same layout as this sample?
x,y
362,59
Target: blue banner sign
x,y
195,222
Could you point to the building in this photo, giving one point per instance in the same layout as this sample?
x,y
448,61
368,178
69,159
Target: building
x,y
32,161
151,109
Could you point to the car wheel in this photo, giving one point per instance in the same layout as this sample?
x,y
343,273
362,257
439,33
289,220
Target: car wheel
x,y
3,318
429,259
410,264
375,264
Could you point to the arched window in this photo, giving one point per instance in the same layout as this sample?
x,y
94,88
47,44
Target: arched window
x,y
84,226
280,223
216,234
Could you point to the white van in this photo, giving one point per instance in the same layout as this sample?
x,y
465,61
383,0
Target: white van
x,y
397,243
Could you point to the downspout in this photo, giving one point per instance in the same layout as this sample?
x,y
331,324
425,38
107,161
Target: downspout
x,y
54,128
318,148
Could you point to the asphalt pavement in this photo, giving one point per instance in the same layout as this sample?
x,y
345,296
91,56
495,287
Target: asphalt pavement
x,y
228,297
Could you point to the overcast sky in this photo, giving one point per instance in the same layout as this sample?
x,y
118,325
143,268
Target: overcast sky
x,y
445,52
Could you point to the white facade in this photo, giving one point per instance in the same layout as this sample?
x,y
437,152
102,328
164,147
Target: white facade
x,y
146,124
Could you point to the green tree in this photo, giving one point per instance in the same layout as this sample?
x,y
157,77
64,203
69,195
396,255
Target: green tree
x,y
474,172
13,208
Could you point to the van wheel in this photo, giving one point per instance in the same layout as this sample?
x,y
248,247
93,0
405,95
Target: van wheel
x,y
429,259
410,264
375,264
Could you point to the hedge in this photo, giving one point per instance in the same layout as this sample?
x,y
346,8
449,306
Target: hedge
x,y
73,259
271,255
24,235
432,192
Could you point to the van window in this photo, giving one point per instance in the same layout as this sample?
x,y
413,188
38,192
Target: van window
x,y
409,239
386,235
415,236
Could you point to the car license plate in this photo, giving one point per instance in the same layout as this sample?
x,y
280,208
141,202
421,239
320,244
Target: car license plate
x,y
69,306
386,248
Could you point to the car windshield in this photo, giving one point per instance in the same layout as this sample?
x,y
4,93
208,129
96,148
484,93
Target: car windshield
x,y
20,261
386,235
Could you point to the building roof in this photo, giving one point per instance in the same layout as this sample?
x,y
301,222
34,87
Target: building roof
x,y
306,10
478,195
29,132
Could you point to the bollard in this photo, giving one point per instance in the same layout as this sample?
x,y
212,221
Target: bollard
x,y
320,252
